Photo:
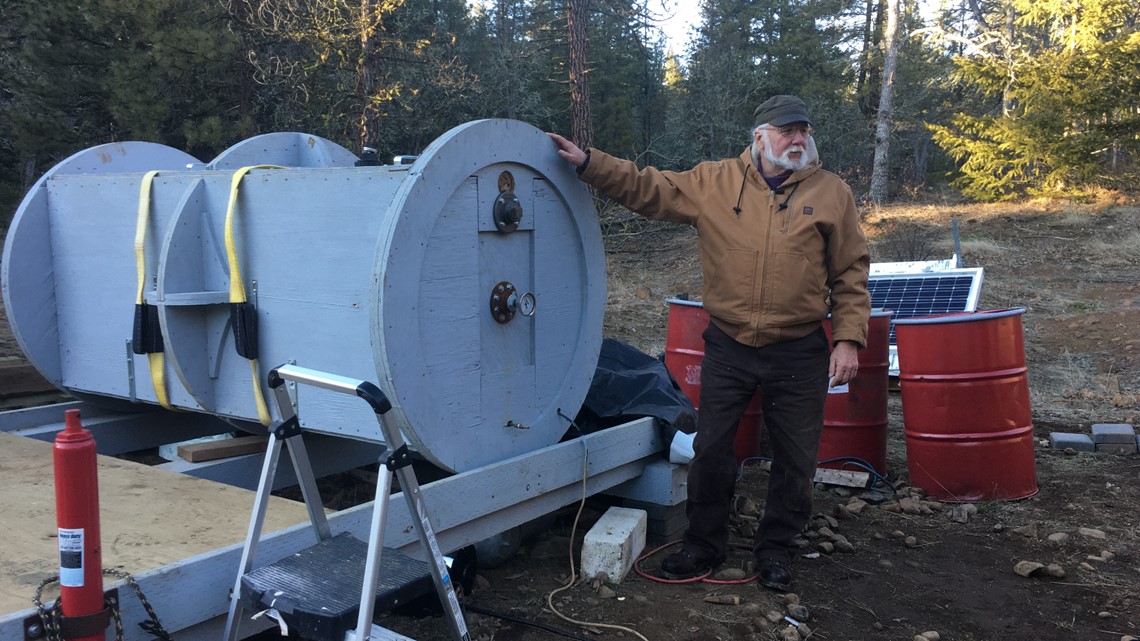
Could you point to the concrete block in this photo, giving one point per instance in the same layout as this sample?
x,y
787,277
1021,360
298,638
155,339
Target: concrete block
x,y
613,544
1113,433
666,523
661,482
1116,448
1079,442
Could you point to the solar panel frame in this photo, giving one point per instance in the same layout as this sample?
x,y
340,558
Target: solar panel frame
x,y
926,293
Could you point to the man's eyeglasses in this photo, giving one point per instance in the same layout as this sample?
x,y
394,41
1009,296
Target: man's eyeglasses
x,y
788,131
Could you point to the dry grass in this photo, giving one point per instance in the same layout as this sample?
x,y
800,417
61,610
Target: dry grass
x,y
983,250
1117,251
1064,374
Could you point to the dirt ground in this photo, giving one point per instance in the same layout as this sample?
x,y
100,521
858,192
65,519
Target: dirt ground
x,y
916,567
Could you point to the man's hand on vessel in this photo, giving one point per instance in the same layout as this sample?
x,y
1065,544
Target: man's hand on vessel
x,y
568,151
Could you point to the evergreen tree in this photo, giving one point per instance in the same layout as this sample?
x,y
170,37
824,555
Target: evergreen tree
x,y
376,73
921,98
1060,112
626,79
723,85
746,51
86,72
508,64
12,182
434,78
625,70
109,70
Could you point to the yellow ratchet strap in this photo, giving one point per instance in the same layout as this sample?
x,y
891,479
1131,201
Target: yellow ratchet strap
x,y
243,315
147,334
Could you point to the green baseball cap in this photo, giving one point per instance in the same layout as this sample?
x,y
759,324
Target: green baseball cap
x,y
781,110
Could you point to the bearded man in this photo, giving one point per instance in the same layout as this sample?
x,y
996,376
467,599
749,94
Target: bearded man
x,y
781,249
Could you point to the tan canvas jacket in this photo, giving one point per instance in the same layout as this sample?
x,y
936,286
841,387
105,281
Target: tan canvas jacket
x,y
771,272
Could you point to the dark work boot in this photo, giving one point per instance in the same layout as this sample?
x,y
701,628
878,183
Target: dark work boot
x,y
774,574
686,565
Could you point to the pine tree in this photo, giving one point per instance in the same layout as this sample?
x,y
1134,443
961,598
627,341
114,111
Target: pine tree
x,y
508,65
110,70
1062,107
746,51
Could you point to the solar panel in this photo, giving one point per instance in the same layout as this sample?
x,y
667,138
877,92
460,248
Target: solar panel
x,y
924,294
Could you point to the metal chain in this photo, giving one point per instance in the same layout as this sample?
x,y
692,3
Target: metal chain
x,y
50,617
151,626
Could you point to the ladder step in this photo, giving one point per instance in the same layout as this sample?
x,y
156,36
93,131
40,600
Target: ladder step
x,y
317,590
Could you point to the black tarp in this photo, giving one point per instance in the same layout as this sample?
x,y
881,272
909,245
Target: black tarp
x,y
630,384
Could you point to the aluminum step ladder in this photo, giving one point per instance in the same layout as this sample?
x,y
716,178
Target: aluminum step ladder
x,y
320,590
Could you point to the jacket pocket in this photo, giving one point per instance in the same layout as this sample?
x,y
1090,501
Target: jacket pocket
x,y
796,290
730,286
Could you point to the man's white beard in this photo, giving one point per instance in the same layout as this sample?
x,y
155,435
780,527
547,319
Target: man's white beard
x,y
784,160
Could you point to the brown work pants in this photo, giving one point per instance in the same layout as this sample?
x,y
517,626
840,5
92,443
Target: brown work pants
x,y
792,377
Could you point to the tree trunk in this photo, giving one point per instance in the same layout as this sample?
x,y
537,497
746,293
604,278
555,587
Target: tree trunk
x,y
886,101
242,20
580,120
1008,104
864,68
365,80
921,156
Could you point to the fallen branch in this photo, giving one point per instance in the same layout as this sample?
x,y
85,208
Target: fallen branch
x,y
1042,236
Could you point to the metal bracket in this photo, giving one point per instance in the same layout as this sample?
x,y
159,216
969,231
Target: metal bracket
x,y
88,625
131,371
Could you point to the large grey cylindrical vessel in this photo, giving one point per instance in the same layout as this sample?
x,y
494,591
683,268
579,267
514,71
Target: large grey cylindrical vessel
x,y
469,285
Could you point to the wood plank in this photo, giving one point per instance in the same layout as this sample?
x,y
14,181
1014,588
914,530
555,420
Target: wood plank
x,y
226,448
849,478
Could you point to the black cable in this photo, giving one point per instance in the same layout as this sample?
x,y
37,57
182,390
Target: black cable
x,y
740,196
784,205
521,621
571,422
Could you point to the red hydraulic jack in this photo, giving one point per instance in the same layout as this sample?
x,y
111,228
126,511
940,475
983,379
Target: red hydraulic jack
x,y
85,618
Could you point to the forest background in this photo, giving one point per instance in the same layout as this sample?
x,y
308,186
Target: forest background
x,y
996,99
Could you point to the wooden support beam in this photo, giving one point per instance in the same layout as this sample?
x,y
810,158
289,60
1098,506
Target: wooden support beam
x,y
225,448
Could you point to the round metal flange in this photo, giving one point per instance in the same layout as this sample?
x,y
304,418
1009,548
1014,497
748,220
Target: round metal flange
x,y
508,212
503,302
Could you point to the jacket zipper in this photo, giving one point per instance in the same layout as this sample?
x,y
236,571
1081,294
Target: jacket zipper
x,y
762,300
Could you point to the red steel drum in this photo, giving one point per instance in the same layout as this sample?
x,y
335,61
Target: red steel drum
x,y
684,349
855,415
965,395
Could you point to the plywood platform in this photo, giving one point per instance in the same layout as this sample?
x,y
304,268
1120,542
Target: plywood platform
x,y
149,517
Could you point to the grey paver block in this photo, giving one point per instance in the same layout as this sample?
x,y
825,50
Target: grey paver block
x,y
1113,433
1116,448
1079,442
